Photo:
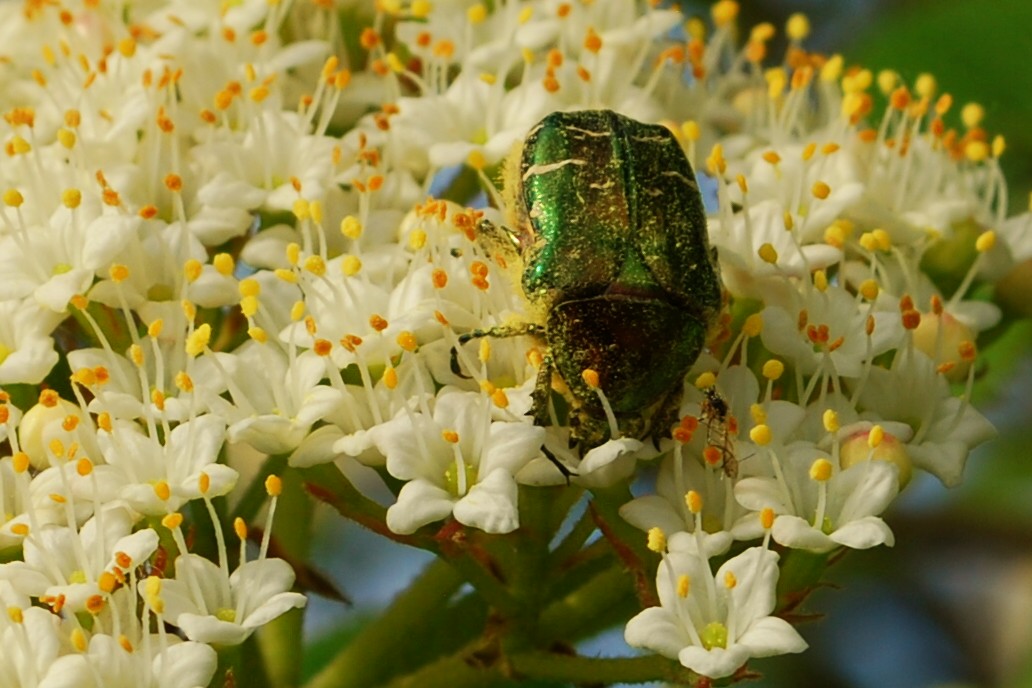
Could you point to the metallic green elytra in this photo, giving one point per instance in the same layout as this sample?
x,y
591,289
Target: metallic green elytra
x,y
609,224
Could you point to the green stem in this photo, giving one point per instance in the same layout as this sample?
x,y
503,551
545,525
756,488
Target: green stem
x,y
599,671
601,601
385,646
462,671
455,671
281,652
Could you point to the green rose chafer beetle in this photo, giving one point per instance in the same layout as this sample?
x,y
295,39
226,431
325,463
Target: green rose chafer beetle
x,y
608,225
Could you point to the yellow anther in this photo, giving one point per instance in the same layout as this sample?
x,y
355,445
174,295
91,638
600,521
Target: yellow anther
x,y
657,540
971,115
985,241
417,239
762,32
760,434
888,80
684,586
192,270
875,436
590,378
162,490
249,305
925,86
705,380
407,341
315,265
135,354
773,369
476,14
869,289
821,190
273,486
832,69
172,521
758,413
767,518
285,274
999,145
753,325
249,287
118,272
976,151
798,26
820,470
693,500
768,254
240,528
293,253
198,340
71,198
421,8
67,138
820,280
450,436
777,80
831,420
476,159
350,265
690,130
883,239
351,227
715,163
224,264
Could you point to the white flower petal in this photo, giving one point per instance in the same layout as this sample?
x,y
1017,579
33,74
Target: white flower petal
x,y
490,504
419,503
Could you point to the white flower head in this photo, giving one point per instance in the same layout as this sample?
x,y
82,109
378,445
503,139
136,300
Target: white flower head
x,y
457,461
818,506
713,624
211,607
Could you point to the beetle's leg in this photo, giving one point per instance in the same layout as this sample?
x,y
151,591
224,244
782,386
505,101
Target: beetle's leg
x,y
500,331
542,394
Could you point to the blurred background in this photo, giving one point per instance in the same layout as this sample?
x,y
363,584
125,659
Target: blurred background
x,y
951,604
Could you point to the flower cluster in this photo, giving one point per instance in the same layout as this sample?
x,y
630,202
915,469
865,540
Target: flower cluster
x,y
227,232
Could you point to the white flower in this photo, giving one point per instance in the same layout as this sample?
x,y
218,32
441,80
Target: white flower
x,y
945,427
668,510
211,607
60,562
190,449
26,350
160,662
824,331
715,624
457,462
274,411
819,507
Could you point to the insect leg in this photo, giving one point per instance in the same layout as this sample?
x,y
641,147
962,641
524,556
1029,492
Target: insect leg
x,y
500,331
